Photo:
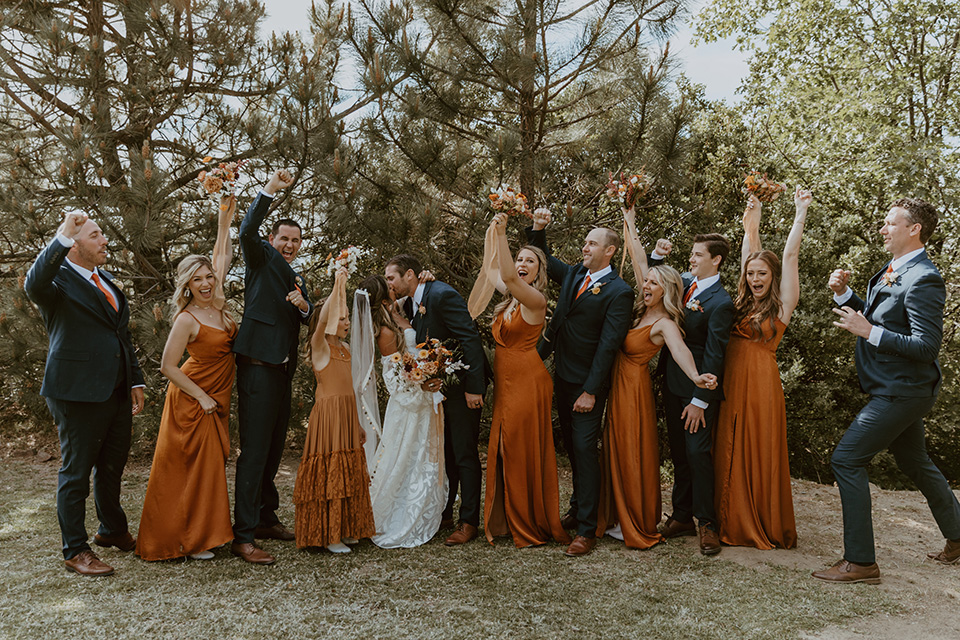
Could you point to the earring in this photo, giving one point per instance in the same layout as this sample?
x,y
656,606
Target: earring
x,y
187,294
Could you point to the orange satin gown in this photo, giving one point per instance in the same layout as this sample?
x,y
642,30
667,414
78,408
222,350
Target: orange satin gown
x,y
187,508
332,491
752,470
522,493
630,459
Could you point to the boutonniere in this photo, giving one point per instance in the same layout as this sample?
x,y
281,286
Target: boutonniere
x,y
890,278
694,305
595,289
422,310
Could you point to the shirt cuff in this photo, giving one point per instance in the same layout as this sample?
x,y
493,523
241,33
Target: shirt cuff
x,y
656,256
303,314
139,386
875,334
843,297
65,241
269,194
697,402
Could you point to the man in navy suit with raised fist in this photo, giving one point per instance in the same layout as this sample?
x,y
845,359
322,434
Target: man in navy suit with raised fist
x,y
899,329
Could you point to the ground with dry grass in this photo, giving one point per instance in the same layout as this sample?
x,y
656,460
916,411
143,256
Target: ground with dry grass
x,y
670,591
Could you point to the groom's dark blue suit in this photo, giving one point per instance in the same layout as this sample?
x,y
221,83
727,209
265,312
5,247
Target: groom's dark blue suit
x,y
91,366
902,376
584,335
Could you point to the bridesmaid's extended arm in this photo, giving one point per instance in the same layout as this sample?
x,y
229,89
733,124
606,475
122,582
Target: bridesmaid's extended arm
x,y
526,294
670,332
319,348
790,278
751,229
223,248
638,257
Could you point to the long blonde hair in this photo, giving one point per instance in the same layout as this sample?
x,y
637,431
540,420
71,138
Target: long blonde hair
x,y
187,268
672,284
539,283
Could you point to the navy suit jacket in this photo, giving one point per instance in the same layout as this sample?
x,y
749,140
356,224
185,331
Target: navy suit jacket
x,y
446,316
270,330
706,334
585,333
911,313
90,345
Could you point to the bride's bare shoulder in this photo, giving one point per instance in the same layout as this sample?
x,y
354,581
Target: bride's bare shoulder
x,y
387,341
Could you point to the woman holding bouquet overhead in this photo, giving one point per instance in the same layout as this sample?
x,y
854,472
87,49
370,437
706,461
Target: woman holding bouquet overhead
x,y
331,494
754,502
186,511
630,460
522,494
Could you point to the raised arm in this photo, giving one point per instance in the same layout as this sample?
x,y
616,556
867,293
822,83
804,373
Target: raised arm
x,y
790,278
531,299
319,348
556,269
250,244
39,284
638,258
223,247
751,229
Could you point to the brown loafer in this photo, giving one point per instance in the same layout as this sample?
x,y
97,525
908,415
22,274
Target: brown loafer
x,y
847,572
569,521
949,555
124,541
580,546
671,528
276,532
464,533
709,542
251,553
86,563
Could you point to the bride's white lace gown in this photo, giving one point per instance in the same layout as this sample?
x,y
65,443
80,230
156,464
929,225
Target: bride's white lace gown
x,y
409,486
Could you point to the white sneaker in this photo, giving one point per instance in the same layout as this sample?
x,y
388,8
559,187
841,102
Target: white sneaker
x,y
349,540
615,532
202,555
338,547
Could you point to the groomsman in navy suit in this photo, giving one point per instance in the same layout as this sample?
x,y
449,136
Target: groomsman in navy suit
x,y
92,384
590,321
899,329
692,412
275,305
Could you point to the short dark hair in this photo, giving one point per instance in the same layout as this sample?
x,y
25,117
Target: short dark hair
x,y
717,245
920,212
285,222
403,263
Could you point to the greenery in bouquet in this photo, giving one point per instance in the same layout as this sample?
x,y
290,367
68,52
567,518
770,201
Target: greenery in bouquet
x,y
432,360
763,187
626,191
509,201
220,181
347,259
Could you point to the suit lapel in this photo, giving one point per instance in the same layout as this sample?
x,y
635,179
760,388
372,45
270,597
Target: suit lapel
x,y
419,321
588,292
91,296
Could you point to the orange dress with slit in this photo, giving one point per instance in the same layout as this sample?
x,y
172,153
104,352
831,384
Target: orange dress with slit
x,y
630,459
752,470
187,509
522,493
332,493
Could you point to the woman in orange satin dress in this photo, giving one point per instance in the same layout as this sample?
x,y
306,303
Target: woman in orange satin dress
x,y
752,470
522,491
186,511
630,461
332,490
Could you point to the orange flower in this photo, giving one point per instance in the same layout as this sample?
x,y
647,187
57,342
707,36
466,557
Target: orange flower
x,y
207,159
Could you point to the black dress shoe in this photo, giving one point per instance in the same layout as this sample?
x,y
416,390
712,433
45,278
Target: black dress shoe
x,y
569,521
276,532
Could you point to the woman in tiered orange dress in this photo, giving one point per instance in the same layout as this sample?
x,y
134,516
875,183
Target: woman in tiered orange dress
x,y
186,511
630,461
522,494
332,492
754,501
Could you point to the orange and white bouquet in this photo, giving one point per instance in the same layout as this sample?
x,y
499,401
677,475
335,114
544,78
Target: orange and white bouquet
x,y
220,181
626,191
347,258
763,187
509,201
432,360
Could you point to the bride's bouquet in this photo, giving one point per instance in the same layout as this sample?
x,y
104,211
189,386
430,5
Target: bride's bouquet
x,y
220,181
509,201
763,187
626,191
348,258
432,360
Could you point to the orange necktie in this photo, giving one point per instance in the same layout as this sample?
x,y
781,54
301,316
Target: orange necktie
x,y
690,291
583,287
106,292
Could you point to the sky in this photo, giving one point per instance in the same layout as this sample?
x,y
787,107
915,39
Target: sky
x,y
717,66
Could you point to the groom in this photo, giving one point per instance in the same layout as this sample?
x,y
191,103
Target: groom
x,y
899,329
436,310
589,324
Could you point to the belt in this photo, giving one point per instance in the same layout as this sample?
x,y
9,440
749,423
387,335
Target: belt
x,y
260,363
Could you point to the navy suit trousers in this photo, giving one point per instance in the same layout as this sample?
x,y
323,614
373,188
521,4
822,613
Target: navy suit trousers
x,y
692,454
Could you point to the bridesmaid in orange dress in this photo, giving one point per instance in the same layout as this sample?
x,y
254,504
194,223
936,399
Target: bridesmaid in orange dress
x,y
630,461
754,502
522,492
186,511
332,493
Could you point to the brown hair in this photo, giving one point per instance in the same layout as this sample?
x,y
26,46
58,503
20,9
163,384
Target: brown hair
x,y
405,262
377,292
766,309
717,245
920,212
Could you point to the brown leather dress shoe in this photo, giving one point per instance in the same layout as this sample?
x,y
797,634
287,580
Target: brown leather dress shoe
x,y
580,546
949,555
847,572
709,542
464,533
276,532
124,541
251,553
86,563
569,521
671,528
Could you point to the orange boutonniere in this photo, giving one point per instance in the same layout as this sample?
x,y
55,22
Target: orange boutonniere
x,y
890,278
694,305
595,289
422,310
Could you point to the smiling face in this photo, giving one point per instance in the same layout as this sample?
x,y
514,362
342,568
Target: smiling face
x,y
702,264
90,247
652,290
900,236
287,241
759,278
401,284
528,265
596,252
202,285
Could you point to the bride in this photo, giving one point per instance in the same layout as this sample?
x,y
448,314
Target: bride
x,y
409,486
